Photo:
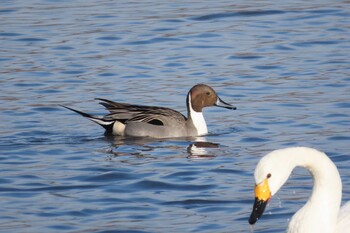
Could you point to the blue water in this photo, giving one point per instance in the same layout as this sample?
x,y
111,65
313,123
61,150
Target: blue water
x,y
284,65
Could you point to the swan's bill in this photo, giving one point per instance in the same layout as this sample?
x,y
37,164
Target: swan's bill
x,y
262,197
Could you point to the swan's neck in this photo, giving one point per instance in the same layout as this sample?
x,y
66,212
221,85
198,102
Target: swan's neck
x,y
320,212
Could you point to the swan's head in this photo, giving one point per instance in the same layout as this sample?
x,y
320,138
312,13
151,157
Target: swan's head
x,y
270,174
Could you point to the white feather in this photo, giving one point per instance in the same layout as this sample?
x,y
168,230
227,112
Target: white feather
x,y
198,120
321,213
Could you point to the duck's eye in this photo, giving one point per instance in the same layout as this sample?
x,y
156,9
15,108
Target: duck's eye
x,y
268,175
208,93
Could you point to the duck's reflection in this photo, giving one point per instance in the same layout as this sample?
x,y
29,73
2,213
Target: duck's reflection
x,y
198,147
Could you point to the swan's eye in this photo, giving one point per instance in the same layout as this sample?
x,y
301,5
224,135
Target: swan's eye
x,y
268,175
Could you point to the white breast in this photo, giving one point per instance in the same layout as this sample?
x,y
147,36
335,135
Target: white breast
x,y
199,122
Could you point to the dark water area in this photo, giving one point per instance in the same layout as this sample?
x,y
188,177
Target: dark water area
x,y
284,65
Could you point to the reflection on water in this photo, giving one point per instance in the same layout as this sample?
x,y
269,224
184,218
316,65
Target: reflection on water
x,y
139,146
285,65
198,150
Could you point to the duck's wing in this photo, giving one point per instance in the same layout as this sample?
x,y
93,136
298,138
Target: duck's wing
x,y
116,106
160,116
343,224
124,113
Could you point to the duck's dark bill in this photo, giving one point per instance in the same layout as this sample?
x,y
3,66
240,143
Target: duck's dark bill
x,y
258,210
223,104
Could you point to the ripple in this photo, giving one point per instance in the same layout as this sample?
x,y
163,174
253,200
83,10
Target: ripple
x,y
107,74
73,72
205,35
283,48
248,57
62,227
236,14
110,176
333,115
324,11
109,38
207,47
105,16
63,48
153,41
193,203
158,185
137,76
7,10
337,138
31,39
292,105
46,109
174,64
206,226
267,67
343,105
254,139
123,231
173,20
312,43
10,34
29,84
6,59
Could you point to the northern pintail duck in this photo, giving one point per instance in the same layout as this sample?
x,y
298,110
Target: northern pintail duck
x,y
159,122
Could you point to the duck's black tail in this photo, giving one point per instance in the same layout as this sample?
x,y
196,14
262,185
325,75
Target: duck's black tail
x,y
107,124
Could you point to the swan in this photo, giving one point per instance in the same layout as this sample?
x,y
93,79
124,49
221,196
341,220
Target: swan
x,y
322,212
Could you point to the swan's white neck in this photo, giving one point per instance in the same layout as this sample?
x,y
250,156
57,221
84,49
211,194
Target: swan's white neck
x,y
197,119
320,212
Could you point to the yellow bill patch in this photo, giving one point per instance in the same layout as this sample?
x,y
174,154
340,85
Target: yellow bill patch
x,y
262,191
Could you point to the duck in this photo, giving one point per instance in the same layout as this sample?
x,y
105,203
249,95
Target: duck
x,y
322,212
158,122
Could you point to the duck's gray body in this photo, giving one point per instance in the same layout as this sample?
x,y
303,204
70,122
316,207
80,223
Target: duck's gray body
x,y
151,121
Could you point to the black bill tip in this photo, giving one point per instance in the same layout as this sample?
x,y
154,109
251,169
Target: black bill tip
x,y
223,104
258,210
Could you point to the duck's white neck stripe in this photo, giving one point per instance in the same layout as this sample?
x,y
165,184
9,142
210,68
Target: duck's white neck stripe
x,y
197,119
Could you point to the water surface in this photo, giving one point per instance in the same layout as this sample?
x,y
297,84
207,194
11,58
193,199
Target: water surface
x,y
284,65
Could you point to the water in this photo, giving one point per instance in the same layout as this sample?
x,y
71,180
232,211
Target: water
x,y
284,65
